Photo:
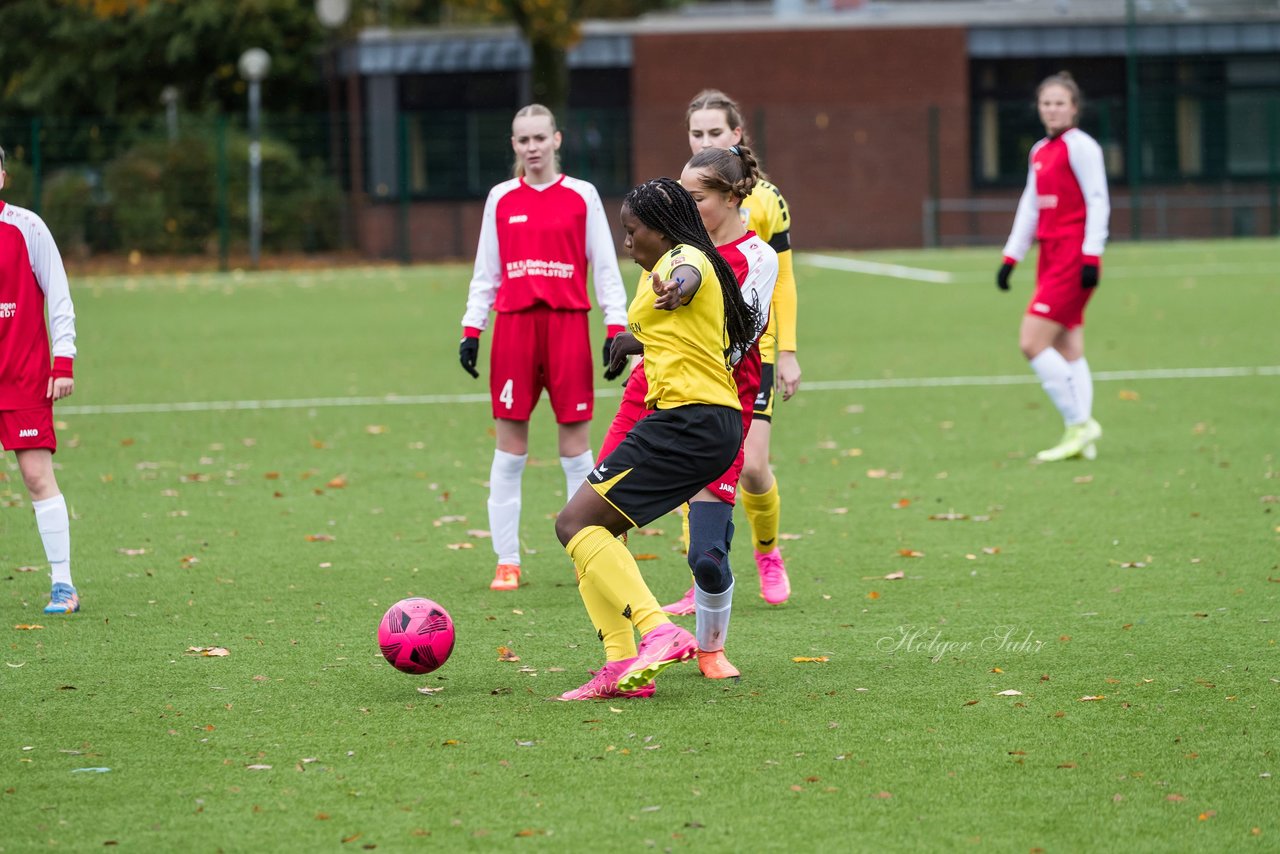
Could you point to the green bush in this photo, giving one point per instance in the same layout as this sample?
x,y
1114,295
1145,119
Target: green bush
x,y
162,197
68,199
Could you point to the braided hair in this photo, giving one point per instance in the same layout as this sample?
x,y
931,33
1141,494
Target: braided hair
x,y
667,208
734,170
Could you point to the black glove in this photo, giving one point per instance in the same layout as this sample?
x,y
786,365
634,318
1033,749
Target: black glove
x,y
1089,275
1002,277
611,374
468,351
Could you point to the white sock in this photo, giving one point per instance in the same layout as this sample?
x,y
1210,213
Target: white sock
x,y
712,610
1055,378
576,470
55,531
504,504
1083,381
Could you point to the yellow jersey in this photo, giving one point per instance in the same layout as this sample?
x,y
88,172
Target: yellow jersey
x,y
765,212
684,349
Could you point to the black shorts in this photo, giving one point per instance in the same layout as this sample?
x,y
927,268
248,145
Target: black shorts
x,y
666,458
763,410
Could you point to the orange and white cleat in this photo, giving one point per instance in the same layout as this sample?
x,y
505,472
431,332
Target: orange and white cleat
x,y
715,666
506,577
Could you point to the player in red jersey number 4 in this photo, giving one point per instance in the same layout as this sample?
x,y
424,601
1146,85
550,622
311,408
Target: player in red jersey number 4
x,y
540,232
31,279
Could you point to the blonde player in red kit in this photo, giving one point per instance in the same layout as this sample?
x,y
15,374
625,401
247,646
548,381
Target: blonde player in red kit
x,y
1066,208
31,279
541,230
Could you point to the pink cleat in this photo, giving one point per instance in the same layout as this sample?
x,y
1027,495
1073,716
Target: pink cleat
x,y
603,685
662,647
684,607
775,587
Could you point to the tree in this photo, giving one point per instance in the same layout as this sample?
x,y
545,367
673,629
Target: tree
x,y
551,28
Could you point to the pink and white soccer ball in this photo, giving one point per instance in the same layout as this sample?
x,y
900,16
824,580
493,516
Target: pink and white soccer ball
x,y
416,635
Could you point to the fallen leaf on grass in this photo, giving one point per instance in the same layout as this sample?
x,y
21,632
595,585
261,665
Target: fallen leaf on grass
x,y
971,702
873,595
910,553
1084,478
645,557
884,796
948,517
1175,798
531,831
210,651
895,576
131,552
478,533
1125,394
319,538
27,627
651,532
444,520
459,546
188,561
901,503
790,536
991,550
838,511
257,767
818,659
1090,697
375,429
505,653
1067,765
338,482
1009,693
27,569
430,690
876,474
1207,814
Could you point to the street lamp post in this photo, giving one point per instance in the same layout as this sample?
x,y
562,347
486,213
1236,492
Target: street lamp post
x,y
169,98
255,63
333,16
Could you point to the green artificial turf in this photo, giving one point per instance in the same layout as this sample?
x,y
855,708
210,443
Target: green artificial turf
x,y
1147,579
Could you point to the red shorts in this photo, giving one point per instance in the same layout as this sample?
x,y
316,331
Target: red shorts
x,y
632,409
21,429
1059,295
541,349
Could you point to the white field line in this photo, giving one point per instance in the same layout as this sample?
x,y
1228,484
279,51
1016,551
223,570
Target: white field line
x,y
875,268
817,385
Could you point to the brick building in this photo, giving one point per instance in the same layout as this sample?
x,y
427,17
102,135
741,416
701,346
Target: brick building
x,y
886,124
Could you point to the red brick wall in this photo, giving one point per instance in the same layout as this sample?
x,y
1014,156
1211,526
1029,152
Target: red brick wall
x,y
841,116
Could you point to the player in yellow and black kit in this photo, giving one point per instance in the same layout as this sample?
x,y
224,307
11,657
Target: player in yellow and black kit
x,y
688,323
714,120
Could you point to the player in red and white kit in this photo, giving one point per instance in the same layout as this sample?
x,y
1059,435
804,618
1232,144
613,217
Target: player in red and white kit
x,y
1066,208
31,278
718,180
541,231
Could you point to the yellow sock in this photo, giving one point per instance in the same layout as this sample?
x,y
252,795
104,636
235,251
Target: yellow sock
x,y
762,512
614,630
684,529
609,570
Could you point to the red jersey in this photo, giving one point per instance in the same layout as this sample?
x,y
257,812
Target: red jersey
x,y
1065,197
31,276
535,247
